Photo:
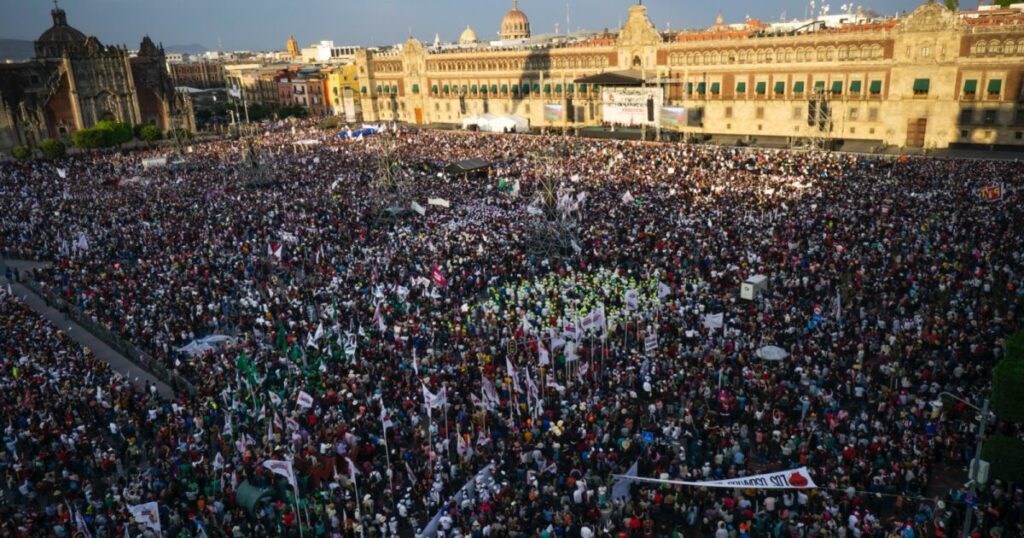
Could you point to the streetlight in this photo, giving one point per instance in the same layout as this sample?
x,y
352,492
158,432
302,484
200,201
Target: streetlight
x,y
983,415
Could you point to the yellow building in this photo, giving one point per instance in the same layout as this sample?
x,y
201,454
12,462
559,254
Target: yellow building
x,y
930,79
342,86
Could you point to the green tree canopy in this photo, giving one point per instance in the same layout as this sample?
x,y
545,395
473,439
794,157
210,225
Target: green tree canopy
x,y
52,149
21,152
150,133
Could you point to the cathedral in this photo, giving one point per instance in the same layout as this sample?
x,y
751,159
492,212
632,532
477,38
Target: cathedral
x,y
75,81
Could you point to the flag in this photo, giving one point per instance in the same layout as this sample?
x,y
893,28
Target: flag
x,y
714,321
246,368
418,208
283,468
352,470
62,173
385,419
620,488
595,319
632,299
147,514
463,447
490,393
544,358
304,400
80,525
319,332
274,398
628,198
437,277
663,290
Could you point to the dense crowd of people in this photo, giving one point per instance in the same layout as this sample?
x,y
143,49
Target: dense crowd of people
x,y
394,357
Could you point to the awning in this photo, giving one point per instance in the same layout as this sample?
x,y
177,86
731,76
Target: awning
x,y
483,88
971,86
433,89
472,89
415,88
761,88
494,88
464,88
444,89
547,88
583,88
628,77
995,86
716,88
780,87
798,86
855,86
536,87
394,90
819,85
558,88
921,85
689,87
876,86
741,87
569,88
837,86
504,88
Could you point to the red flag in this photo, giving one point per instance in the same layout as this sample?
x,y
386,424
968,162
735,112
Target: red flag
x,y
437,277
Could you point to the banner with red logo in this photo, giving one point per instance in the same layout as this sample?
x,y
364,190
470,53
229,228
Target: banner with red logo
x,y
793,479
993,192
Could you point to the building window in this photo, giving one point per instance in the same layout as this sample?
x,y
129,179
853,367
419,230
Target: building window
x,y
798,112
1018,135
728,112
970,88
854,113
995,87
925,52
966,116
921,86
759,113
963,133
873,114
1019,117
990,117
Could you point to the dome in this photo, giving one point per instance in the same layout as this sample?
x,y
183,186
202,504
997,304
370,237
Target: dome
x,y
468,37
515,25
59,38
60,32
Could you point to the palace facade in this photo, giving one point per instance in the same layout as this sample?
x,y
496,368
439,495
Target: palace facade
x,y
930,79
75,81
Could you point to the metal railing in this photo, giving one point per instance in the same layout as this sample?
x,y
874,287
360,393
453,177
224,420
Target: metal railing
x,y
126,349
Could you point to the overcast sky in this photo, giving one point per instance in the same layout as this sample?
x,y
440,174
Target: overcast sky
x,y
266,24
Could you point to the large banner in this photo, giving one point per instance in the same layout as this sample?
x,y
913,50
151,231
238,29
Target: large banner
x,y
793,479
673,117
631,106
554,113
992,192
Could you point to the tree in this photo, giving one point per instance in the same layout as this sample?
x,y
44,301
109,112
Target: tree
x,y
150,133
179,134
1007,377
115,133
1005,3
88,139
1005,456
21,152
52,149
953,5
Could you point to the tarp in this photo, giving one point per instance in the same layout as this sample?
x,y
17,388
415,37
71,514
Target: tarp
x,y
357,133
204,345
772,353
248,495
307,142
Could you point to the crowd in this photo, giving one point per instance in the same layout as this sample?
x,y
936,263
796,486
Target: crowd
x,y
391,360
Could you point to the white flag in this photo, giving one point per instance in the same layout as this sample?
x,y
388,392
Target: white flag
x,y
418,208
304,400
633,299
62,173
544,358
147,514
627,198
663,290
714,321
283,468
385,419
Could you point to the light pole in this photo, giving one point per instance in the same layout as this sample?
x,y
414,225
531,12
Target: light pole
x,y
983,415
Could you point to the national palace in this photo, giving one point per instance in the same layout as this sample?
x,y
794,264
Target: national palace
x,y
931,78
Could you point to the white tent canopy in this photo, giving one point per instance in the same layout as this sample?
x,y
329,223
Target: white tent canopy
x,y
497,124
203,345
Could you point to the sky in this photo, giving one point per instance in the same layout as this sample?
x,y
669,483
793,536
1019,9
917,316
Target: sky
x,y
266,24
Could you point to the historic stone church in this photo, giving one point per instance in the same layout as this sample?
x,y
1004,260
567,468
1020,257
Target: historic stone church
x,y
75,81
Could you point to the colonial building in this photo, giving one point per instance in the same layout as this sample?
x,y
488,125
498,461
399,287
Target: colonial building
x,y
74,82
930,79
203,74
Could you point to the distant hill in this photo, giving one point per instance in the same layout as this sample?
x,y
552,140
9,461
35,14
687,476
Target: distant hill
x,y
194,48
16,49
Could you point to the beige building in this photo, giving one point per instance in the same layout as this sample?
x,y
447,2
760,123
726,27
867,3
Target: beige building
x,y
930,79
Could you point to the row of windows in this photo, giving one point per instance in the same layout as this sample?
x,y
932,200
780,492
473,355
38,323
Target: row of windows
x,y
799,87
521,64
803,54
970,116
514,88
996,46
